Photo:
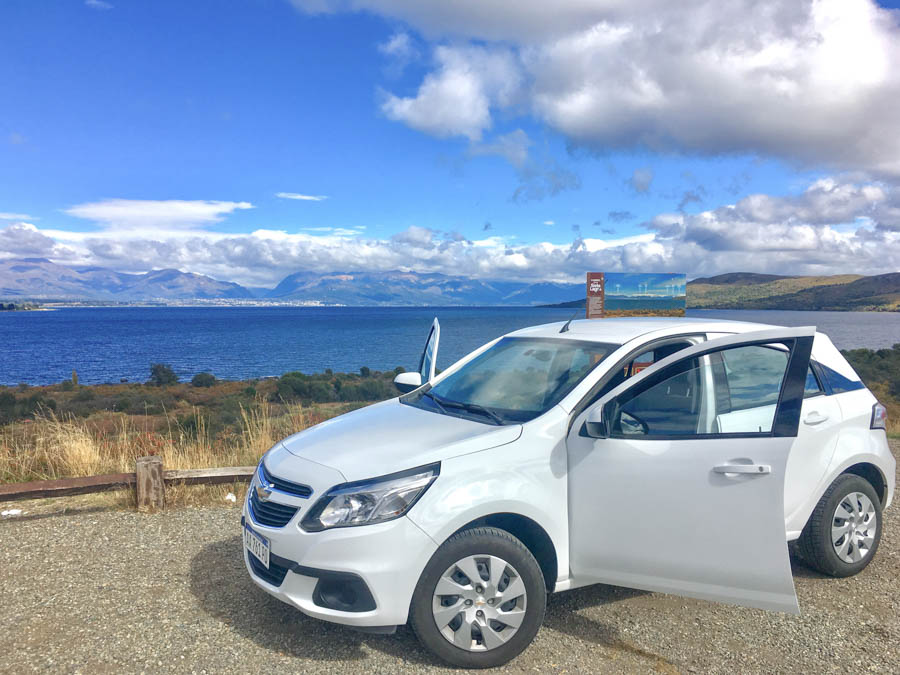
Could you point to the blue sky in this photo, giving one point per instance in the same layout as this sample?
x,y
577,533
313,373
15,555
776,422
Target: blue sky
x,y
140,135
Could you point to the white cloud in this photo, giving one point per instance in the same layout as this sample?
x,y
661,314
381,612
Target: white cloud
x,y
549,222
456,99
98,4
400,47
836,225
815,83
16,216
300,197
24,240
124,214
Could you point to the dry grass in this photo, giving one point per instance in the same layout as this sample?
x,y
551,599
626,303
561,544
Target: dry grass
x,y
52,447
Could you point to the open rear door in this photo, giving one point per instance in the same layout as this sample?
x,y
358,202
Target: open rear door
x,y
676,476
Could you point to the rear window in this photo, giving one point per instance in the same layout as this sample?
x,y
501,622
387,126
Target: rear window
x,y
838,383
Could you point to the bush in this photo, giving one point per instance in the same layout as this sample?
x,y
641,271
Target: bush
x,y
881,365
68,385
162,375
203,380
84,395
365,372
250,391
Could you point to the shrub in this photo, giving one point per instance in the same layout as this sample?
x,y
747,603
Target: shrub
x,y
84,395
250,391
122,404
365,372
67,385
203,380
162,375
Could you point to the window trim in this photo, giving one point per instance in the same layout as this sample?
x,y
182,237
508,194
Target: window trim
x,y
790,395
586,400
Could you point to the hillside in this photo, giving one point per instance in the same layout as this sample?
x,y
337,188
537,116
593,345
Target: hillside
x,y
846,292
40,279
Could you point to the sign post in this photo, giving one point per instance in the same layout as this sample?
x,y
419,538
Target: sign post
x,y
595,295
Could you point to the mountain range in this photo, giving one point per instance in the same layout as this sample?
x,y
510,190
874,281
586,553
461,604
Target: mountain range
x,y
41,279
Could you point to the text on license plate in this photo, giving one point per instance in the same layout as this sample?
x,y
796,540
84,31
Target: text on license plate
x,y
257,546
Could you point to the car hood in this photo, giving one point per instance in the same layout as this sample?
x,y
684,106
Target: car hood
x,y
391,436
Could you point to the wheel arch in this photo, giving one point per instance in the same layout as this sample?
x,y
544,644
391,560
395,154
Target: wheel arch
x,y
531,534
871,473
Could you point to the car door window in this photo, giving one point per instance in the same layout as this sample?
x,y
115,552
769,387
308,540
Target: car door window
x,y
675,402
812,386
635,365
671,407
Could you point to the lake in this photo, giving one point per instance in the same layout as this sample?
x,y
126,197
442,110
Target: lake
x,y
107,344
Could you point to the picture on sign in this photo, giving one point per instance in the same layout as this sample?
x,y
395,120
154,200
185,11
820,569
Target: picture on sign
x,y
635,294
644,294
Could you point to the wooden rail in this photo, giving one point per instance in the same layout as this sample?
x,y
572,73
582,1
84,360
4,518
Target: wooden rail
x,y
149,481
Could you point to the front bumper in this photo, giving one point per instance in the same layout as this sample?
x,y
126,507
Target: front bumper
x,y
342,565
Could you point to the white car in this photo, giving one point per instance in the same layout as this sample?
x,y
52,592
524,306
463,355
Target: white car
x,y
671,455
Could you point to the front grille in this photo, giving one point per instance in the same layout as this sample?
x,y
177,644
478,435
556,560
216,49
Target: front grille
x,y
274,575
283,485
270,514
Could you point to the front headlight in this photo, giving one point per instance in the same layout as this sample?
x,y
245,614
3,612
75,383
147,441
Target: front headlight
x,y
370,501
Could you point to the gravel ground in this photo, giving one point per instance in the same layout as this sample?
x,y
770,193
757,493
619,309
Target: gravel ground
x,y
96,590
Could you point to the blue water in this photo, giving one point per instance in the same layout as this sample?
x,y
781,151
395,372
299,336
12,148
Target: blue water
x,y
109,344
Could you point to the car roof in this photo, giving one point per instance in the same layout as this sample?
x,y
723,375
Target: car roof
x,y
620,330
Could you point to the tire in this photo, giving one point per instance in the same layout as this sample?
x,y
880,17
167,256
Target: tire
x,y
820,550
520,596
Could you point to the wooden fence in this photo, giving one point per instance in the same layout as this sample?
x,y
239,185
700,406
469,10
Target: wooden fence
x,y
149,481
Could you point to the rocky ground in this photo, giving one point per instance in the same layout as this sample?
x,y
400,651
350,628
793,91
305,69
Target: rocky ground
x,y
101,590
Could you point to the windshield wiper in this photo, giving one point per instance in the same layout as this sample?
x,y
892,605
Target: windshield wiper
x,y
444,403
436,402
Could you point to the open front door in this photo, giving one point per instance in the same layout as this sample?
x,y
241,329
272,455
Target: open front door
x,y
429,354
676,477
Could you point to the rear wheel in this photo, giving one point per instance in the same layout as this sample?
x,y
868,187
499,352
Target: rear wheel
x,y
480,600
842,534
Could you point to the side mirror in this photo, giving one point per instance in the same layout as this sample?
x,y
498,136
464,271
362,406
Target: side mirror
x,y
595,424
406,382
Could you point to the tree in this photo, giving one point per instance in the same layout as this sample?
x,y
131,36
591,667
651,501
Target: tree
x,y
162,375
203,380
365,372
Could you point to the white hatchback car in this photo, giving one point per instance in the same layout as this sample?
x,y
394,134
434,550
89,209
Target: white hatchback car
x,y
671,455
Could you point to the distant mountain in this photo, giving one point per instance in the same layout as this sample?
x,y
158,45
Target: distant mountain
x,y
40,279
745,290
412,288
839,292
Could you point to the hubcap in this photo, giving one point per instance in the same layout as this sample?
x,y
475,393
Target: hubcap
x,y
479,602
853,527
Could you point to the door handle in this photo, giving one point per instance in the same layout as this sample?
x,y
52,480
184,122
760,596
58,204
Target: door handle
x,y
743,468
815,417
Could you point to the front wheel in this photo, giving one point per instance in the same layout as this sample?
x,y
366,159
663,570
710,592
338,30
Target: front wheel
x,y
842,534
480,600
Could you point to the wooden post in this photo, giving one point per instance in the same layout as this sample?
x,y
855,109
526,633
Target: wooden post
x,y
150,486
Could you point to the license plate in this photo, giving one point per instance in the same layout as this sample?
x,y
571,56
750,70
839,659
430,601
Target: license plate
x,y
257,545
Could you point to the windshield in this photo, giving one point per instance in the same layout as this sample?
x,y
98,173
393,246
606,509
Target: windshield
x,y
514,381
